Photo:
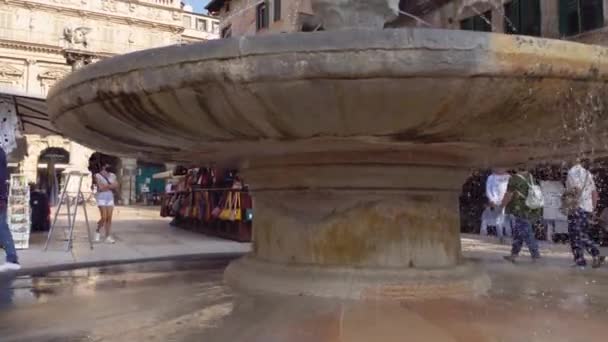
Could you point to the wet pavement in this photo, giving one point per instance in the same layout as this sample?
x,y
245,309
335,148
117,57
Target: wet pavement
x,y
187,301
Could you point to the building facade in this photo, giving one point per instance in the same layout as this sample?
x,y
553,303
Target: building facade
x,y
250,17
41,41
581,20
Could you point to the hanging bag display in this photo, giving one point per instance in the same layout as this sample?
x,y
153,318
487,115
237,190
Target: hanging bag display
x,y
237,213
225,212
217,210
232,208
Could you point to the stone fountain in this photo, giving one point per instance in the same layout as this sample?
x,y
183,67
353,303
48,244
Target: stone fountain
x,y
355,141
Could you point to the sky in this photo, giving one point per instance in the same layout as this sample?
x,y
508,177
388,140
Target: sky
x,y
199,5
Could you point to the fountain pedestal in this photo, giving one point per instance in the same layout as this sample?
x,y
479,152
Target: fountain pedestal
x,y
356,226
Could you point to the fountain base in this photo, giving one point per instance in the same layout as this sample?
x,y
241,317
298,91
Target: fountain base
x,y
251,275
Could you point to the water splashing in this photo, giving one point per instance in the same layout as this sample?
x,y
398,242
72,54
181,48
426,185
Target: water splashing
x,y
418,19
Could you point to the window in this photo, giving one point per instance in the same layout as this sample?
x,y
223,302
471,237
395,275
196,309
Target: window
x,y
6,20
107,34
187,21
227,32
482,22
227,6
215,27
577,16
277,10
201,24
523,17
261,20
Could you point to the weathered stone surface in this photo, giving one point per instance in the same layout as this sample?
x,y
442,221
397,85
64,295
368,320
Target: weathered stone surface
x,y
355,142
340,90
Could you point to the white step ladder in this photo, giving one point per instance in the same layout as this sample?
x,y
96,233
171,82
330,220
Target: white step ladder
x,y
70,203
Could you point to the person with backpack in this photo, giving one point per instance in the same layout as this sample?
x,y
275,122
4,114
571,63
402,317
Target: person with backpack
x,y
524,201
579,203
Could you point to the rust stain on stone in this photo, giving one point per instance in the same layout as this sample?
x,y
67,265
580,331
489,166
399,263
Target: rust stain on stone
x,y
361,234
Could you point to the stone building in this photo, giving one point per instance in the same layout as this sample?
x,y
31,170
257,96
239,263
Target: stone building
x,y
41,41
249,17
580,20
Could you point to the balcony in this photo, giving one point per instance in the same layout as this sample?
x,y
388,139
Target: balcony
x,y
164,3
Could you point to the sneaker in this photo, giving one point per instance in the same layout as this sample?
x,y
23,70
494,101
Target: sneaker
x,y
110,239
9,266
511,258
97,237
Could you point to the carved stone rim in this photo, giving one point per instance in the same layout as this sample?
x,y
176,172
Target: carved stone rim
x,y
491,55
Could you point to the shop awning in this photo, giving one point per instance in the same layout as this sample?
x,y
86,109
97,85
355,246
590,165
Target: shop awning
x,y
163,175
31,111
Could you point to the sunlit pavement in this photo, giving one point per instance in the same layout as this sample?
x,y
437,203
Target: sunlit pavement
x,y
140,232
187,301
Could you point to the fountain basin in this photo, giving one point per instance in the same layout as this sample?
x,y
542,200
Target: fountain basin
x,y
371,89
355,142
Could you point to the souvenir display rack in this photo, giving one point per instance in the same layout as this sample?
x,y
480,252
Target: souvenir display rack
x,y
18,211
200,198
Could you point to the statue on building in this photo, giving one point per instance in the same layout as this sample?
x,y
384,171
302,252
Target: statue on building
x,y
76,36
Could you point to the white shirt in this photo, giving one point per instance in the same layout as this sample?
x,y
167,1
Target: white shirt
x,y
101,180
552,194
579,177
496,187
490,217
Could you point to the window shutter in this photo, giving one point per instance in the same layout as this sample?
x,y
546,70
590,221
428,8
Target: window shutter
x,y
568,17
512,14
277,10
592,15
466,24
530,17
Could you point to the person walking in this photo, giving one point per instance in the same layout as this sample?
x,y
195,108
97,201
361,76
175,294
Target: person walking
x,y
106,184
520,202
6,238
496,188
581,186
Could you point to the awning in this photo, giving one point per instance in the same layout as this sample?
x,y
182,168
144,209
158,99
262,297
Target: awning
x,y
163,175
31,111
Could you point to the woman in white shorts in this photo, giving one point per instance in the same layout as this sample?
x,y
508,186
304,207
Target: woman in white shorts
x,y
106,183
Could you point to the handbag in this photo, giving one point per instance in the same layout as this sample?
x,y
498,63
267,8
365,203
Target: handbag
x,y
217,210
232,208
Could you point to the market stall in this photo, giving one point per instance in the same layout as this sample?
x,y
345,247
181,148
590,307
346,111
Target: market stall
x,y
211,202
